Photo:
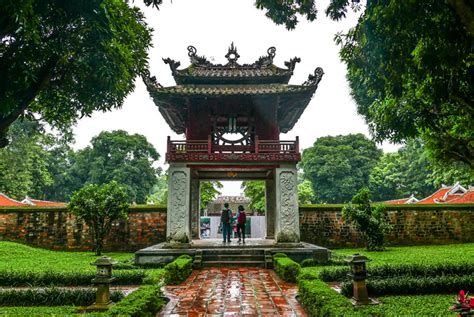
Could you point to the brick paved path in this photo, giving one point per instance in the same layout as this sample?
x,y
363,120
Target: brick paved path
x,y
232,292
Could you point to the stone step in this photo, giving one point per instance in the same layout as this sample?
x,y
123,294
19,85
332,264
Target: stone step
x,y
233,257
240,251
232,263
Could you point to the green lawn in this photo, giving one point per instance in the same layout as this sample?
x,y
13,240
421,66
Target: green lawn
x,y
21,258
422,305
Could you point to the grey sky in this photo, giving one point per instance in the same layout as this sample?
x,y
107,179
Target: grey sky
x,y
210,26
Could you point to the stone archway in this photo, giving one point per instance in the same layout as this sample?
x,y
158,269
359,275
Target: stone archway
x,y
280,195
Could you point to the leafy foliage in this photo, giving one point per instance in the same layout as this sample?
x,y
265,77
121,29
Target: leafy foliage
x,y
178,270
305,192
118,156
52,296
410,71
369,220
404,269
144,302
99,206
209,191
286,268
25,163
410,171
408,285
66,59
255,190
339,166
285,12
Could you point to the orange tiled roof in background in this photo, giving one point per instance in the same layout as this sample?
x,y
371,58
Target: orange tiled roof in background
x,y
7,201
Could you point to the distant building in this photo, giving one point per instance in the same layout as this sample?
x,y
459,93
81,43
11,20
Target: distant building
x,y
401,201
455,194
6,201
215,207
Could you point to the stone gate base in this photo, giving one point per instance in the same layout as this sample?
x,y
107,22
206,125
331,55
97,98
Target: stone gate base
x,y
214,253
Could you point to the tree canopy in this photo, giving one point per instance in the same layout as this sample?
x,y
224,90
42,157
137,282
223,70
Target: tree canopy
x,y
209,190
410,68
99,206
338,166
64,59
255,190
126,159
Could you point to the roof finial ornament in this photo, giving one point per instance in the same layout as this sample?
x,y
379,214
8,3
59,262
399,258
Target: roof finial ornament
x,y
291,64
197,60
266,61
232,55
313,80
173,64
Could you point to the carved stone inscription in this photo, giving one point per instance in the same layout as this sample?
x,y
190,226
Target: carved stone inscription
x,y
288,216
178,212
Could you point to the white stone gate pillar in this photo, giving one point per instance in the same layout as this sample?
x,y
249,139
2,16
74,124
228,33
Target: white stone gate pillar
x,y
178,213
287,227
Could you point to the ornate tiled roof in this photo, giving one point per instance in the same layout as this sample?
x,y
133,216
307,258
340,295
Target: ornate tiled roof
x,y
202,71
261,82
233,89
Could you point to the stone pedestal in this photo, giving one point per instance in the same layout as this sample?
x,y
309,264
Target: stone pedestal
x,y
361,296
178,213
287,227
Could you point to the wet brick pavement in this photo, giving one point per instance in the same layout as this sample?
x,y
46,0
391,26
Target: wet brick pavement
x,y
232,292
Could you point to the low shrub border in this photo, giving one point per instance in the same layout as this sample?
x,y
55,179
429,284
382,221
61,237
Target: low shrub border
x,y
390,270
178,270
286,268
144,302
52,296
407,285
124,277
320,300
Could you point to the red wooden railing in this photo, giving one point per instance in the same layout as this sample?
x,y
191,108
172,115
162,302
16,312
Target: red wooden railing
x,y
206,146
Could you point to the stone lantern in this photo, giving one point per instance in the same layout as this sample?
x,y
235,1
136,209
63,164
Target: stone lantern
x,y
359,274
102,280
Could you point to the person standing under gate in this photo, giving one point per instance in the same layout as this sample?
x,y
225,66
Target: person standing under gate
x,y
241,220
226,218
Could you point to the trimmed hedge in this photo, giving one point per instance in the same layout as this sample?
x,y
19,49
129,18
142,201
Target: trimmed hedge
x,y
154,276
51,297
178,270
390,270
124,277
144,302
286,268
320,300
407,285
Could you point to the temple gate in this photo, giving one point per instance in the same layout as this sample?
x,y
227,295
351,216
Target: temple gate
x,y
232,116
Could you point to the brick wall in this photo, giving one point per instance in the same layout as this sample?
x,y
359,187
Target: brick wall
x,y
410,225
58,229
55,228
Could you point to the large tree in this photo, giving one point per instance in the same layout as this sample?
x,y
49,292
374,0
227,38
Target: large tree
x,y
410,171
338,166
410,68
64,59
255,190
411,72
126,159
209,190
